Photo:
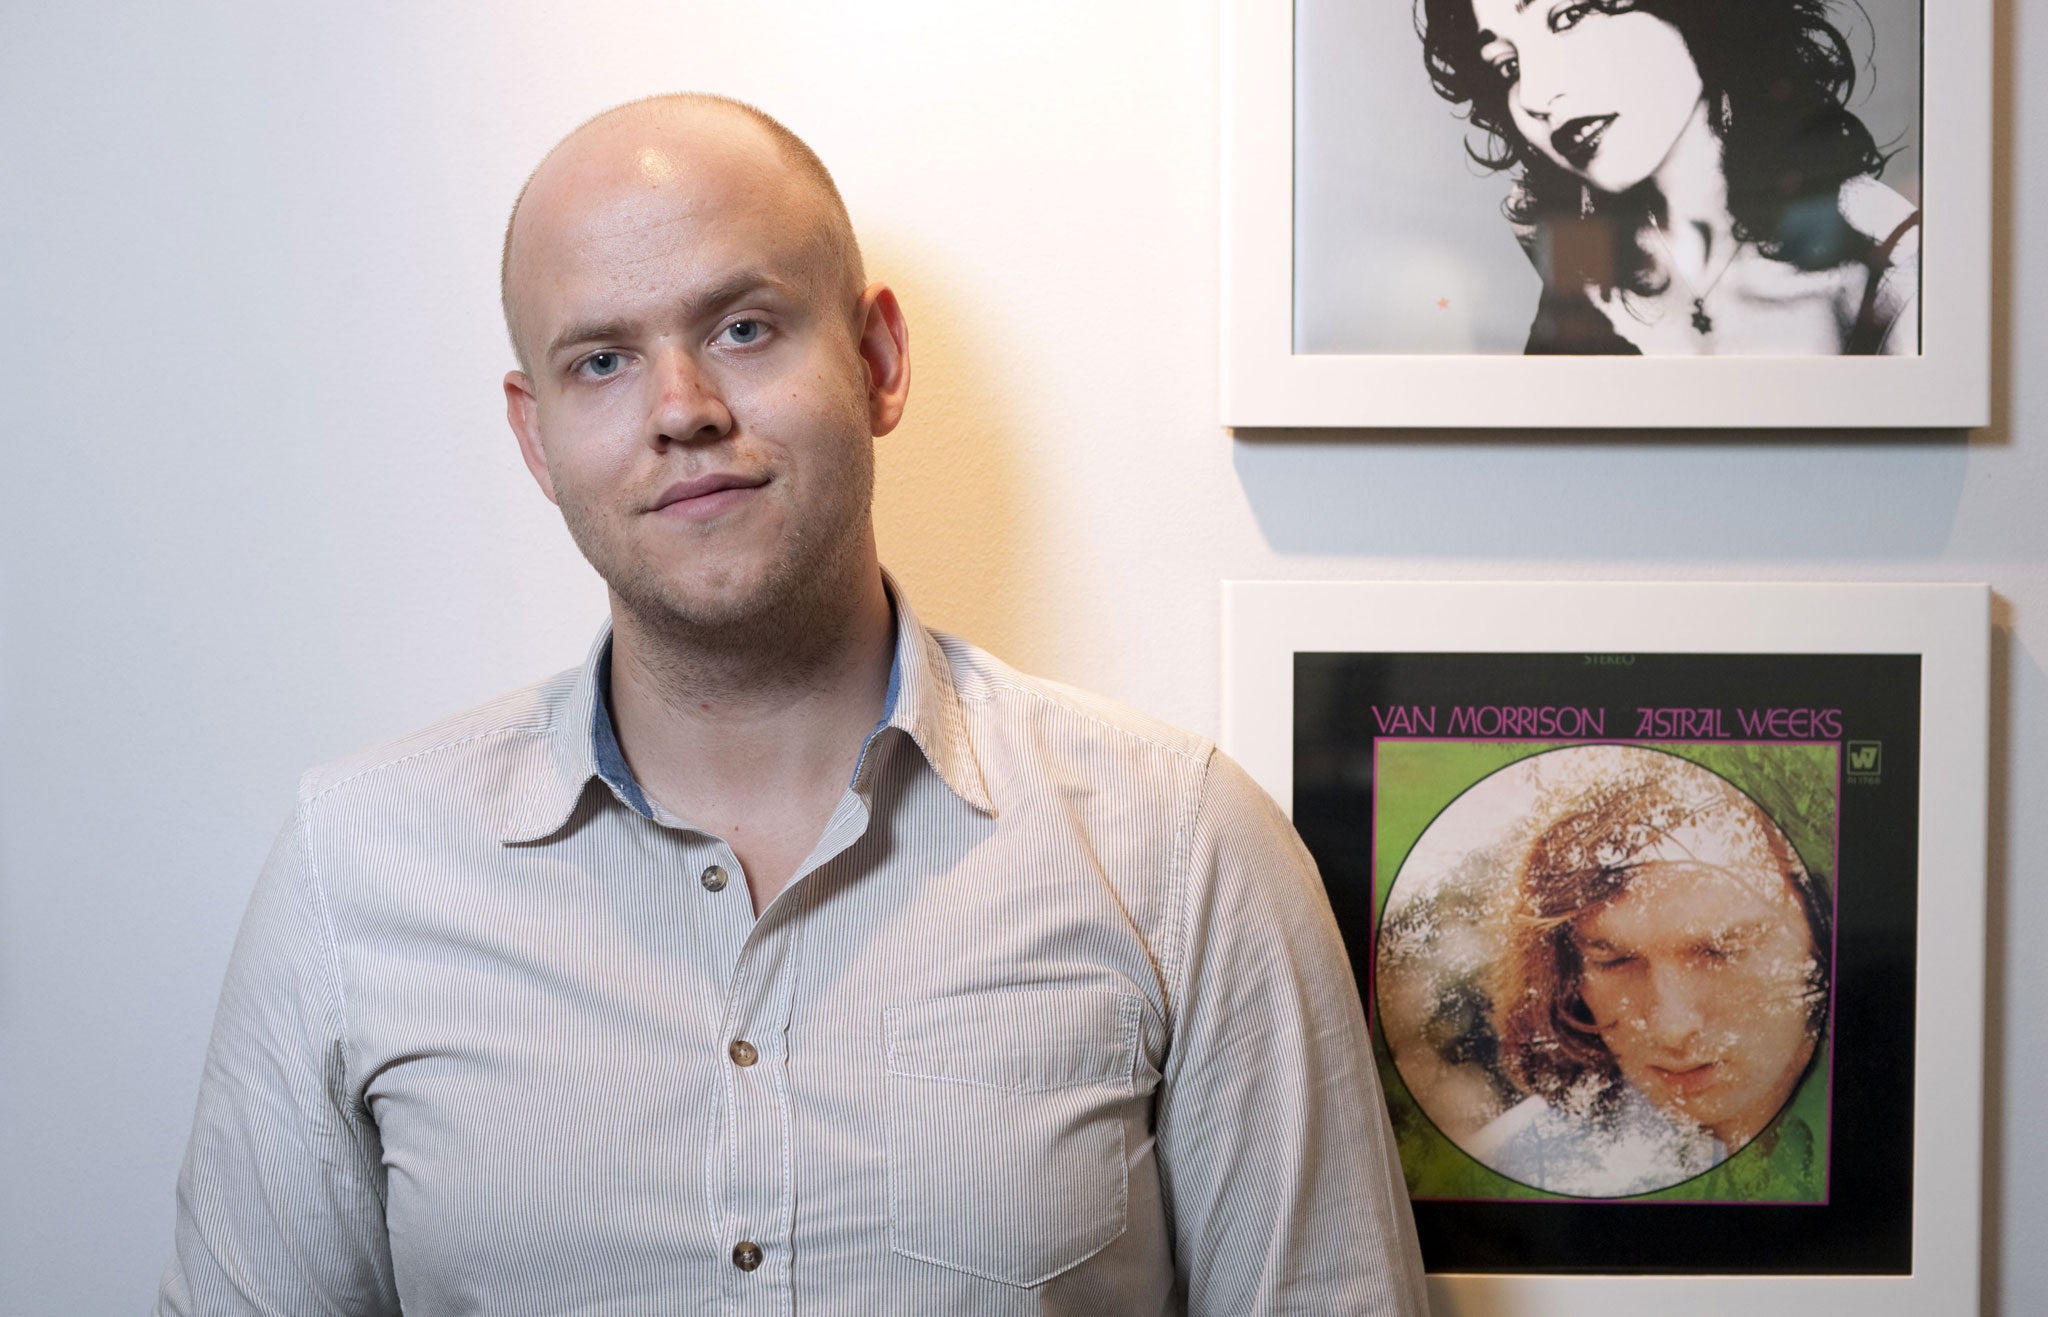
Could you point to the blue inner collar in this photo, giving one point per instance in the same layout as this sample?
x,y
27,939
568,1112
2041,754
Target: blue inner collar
x,y
611,760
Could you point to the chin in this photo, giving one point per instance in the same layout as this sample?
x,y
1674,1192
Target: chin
x,y
768,606
1615,180
726,603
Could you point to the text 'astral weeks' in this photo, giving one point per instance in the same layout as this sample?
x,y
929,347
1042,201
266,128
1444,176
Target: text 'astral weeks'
x,y
1662,723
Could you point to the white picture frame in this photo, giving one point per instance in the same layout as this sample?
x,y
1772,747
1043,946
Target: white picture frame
x,y
1267,383
1266,624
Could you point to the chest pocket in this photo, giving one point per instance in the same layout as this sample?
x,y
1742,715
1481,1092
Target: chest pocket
x,y
1007,1118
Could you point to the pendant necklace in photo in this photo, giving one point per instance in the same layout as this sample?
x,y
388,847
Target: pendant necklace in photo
x,y
1701,321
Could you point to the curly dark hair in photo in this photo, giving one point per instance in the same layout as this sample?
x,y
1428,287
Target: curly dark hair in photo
x,y
1585,857
1777,79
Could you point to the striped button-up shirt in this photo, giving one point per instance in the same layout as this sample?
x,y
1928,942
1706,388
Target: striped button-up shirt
x,y
1054,1019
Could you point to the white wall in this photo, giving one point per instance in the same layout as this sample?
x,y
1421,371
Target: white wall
x,y
258,506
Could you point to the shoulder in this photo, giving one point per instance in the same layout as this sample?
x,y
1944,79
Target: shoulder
x,y
1501,1143
1126,772
1628,1148
497,734
1534,1143
1881,215
1059,719
1571,323
1109,768
1881,307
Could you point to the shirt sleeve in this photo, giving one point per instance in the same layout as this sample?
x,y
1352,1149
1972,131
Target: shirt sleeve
x,y
1275,1150
280,1203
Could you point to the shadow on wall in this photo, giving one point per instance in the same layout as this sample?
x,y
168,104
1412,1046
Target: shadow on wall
x,y
950,514
1635,495
2017,684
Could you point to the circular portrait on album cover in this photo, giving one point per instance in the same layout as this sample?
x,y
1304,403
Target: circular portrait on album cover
x,y
1605,970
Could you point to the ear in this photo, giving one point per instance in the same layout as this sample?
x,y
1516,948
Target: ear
x,y
885,351
522,413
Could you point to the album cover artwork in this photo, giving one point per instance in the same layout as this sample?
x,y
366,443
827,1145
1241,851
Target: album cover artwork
x,y
1635,935
1608,177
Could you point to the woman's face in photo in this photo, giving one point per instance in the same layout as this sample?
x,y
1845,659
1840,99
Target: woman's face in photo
x,y
1604,95
1699,979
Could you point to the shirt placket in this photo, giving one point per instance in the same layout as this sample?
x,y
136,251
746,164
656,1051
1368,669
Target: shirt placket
x,y
752,1170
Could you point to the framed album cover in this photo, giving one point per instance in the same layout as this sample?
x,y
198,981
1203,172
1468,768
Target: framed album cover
x,y
1607,213
1666,905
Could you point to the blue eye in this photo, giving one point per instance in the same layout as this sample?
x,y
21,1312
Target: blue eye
x,y
600,364
743,332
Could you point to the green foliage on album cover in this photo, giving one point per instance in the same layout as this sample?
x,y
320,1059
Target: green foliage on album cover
x,y
1787,1163
1796,784
1412,784
1416,780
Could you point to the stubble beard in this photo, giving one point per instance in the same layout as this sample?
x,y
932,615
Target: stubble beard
x,y
774,633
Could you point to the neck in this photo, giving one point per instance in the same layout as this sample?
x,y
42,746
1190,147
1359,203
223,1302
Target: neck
x,y
1692,195
708,728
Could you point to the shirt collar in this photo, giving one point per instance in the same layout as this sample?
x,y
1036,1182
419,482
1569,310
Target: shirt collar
x,y
607,759
922,702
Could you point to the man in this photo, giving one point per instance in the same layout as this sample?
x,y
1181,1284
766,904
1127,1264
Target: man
x,y
786,956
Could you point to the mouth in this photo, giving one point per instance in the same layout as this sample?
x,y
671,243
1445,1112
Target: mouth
x,y
1579,140
1689,1079
706,496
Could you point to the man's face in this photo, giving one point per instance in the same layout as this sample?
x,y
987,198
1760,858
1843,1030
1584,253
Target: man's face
x,y
1700,979
698,401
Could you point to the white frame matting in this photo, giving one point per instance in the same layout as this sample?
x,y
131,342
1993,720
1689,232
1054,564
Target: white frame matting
x,y
1265,623
1266,384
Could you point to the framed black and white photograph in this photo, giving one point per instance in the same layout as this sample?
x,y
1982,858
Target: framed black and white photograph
x,y
1666,907
1607,213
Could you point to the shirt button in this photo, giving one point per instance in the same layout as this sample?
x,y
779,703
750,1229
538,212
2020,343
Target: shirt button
x,y
742,1053
746,1255
713,878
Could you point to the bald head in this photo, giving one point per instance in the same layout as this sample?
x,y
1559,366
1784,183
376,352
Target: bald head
x,y
665,141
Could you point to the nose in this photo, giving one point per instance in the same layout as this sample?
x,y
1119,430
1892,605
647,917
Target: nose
x,y
1674,1010
689,405
1536,89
